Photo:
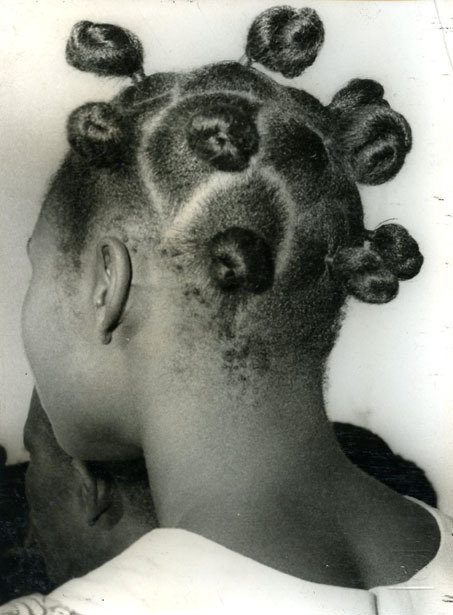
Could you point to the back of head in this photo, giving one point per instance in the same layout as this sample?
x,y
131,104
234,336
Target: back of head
x,y
241,191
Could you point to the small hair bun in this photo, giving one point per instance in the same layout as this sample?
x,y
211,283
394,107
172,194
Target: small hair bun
x,y
104,49
365,275
95,131
357,93
285,40
398,249
224,134
373,142
241,260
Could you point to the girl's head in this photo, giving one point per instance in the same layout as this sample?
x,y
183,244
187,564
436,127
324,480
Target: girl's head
x,y
204,231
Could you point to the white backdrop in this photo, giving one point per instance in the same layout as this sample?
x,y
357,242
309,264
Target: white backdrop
x,y
392,369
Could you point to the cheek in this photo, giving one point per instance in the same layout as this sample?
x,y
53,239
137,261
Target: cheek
x,y
41,347
42,339
39,321
29,328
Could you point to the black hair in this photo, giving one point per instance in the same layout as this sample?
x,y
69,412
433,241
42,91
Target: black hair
x,y
104,49
371,273
224,135
230,119
241,259
398,249
96,131
370,137
285,39
365,275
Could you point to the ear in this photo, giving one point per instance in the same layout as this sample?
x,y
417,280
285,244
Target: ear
x,y
93,492
113,278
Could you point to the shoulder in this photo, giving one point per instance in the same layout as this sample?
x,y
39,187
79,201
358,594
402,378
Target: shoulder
x,y
441,567
430,590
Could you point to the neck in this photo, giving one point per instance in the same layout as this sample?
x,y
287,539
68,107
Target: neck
x,y
252,467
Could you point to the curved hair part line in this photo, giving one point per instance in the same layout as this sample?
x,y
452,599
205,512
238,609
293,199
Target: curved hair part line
x,y
222,136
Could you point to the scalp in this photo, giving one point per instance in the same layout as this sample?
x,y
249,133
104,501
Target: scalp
x,y
244,189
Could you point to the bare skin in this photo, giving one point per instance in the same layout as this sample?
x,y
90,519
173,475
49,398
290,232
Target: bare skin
x,y
288,497
153,350
262,477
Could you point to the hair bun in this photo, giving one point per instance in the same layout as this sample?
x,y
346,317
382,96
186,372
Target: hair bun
x,y
285,39
357,93
373,142
95,131
241,260
224,134
104,49
398,249
365,275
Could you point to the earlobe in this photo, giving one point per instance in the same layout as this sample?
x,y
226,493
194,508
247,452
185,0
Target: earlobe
x,y
94,492
111,289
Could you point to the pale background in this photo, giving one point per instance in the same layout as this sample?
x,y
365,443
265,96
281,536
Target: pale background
x,y
392,369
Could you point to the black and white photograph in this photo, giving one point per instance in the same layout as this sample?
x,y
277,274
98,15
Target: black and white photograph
x,y
226,324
